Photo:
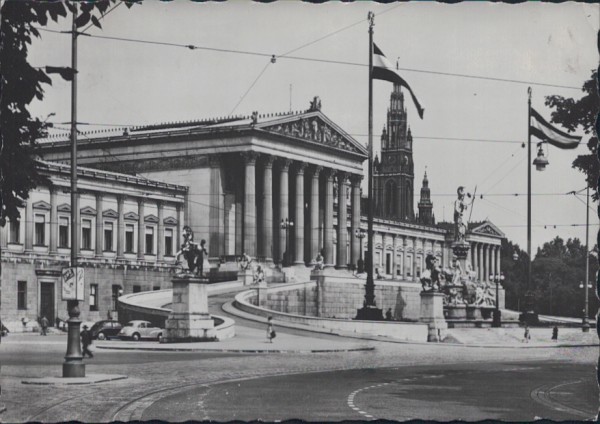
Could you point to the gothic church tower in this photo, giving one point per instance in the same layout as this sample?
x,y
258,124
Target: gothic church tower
x,y
393,176
426,216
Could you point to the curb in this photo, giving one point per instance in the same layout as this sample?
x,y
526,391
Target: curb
x,y
61,381
231,309
192,349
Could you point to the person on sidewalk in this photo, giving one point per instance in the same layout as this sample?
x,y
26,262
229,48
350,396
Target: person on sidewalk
x,y
44,324
527,335
388,314
86,341
555,334
270,331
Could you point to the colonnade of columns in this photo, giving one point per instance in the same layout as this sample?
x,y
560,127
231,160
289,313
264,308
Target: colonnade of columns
x,y
98,247
304,196
485,259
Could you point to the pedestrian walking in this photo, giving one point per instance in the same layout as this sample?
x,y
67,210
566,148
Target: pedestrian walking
x,y
270,331
388,314
555,334
86,341
44,324
527,335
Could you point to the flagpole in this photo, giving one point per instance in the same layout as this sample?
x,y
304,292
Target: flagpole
x,y
529,316
369,310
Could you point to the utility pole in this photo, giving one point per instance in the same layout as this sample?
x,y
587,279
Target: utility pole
x,y
585,326
73,365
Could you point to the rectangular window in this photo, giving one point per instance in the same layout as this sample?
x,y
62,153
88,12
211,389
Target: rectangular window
x,y
86,234
149,240
15,231
40,229
116,292
22,295
108,236
129,238
137,289
93,297
168,242
63,232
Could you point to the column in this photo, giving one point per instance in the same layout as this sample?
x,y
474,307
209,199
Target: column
x,y
328,218
498,260
267,206
314,214
395,240
140,250
415,263
480,270
299,218
216,215
53,221
250,204
284,205
355,223
493,259
160,238
4,236
443,252
120,227
490,254
99,225
404,258
29,224
484,265
179,213
342,236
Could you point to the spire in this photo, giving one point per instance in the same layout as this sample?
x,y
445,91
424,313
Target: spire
x,y
425,204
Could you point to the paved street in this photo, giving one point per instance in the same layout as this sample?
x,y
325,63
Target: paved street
x,y
393,381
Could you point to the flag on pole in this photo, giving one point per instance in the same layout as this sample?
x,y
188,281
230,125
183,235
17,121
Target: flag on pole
x,y
546,132
383,70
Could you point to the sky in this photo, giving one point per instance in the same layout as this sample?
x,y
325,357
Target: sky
x,y
123,83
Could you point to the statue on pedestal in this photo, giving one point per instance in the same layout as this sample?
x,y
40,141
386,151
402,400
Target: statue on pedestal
x,y
460,207
319,262
431,277
193,253
259,275
244,262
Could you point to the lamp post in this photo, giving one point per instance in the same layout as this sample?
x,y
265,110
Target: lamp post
x,y
286,225
585,325
360,234
497,315
73,365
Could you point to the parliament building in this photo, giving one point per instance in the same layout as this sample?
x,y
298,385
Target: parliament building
x,y
234,181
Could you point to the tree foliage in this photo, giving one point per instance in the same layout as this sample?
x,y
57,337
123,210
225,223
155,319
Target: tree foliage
x,y
574,114
20,84
557,272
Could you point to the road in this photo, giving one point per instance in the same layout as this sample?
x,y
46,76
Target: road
x,y
510,391
394,381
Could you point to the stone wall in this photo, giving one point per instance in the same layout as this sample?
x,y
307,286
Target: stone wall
x,y
341,297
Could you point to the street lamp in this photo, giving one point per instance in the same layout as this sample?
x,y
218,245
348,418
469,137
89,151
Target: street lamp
x,y
286,225
585,325
360,234
497,315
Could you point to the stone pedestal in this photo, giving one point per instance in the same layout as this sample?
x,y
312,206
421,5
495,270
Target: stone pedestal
x,y
474,312
261,294
432,313
246,277
189,320
456,312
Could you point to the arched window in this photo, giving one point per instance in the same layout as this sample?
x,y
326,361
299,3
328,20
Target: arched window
x,y
390,198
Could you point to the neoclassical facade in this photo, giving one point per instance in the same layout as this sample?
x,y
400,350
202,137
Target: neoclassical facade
x,y
281,186
128,231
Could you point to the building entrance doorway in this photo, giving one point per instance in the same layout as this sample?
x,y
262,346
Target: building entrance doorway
x,y
47,301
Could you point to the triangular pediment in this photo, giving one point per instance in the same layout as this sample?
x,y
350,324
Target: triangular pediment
x,y
110,213
151,218
65,207
170,220
87,211
314,127
488,229
41,205
131,215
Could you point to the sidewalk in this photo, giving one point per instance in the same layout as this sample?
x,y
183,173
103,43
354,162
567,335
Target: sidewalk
x,y
248,340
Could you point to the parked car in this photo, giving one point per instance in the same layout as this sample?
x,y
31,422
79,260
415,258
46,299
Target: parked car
x,y
137,330
104,329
